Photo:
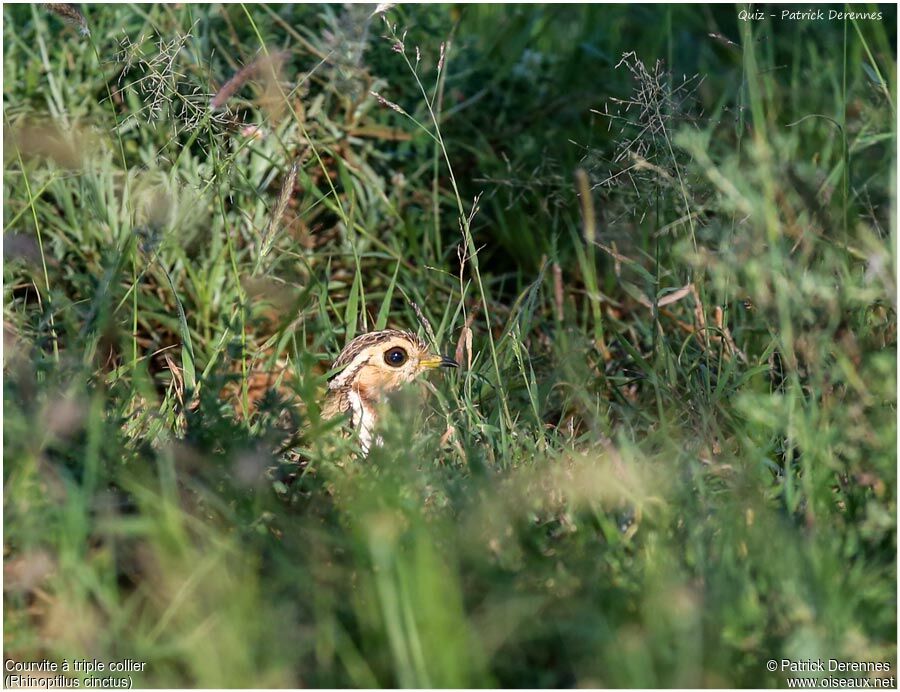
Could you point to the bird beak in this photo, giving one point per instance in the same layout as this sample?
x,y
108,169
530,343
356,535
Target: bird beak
x,y
439,362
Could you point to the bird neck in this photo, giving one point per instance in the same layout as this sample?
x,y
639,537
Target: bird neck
x,y
363,418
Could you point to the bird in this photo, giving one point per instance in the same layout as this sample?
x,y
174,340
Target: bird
x,y
372,365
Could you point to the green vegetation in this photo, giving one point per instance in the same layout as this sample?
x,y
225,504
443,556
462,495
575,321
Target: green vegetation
x,y
667,234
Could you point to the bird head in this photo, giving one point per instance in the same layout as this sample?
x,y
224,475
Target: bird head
x,y
382,361
372,365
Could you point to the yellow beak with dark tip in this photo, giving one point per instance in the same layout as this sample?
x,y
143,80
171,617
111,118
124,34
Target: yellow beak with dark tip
x,y
438,362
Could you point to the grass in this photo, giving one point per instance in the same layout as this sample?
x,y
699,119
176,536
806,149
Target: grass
x,y
670,455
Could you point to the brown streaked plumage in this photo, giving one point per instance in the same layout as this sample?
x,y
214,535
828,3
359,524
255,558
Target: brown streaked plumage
x,y
374,364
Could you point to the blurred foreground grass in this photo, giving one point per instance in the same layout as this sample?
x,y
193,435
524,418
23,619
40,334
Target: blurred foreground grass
x,y
668,237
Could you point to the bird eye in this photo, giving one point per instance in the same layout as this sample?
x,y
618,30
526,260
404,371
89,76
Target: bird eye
x,y
395,357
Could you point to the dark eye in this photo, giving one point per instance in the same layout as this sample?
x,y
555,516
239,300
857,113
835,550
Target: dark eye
x,y
395,357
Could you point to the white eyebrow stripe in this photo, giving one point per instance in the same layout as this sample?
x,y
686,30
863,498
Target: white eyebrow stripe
x,y
350,371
